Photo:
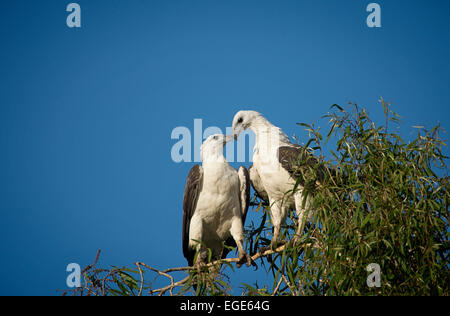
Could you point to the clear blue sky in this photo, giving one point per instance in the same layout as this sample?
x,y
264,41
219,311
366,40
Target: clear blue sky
x,y
86,114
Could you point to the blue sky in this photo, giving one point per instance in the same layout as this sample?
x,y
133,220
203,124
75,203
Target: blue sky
x,y
86,114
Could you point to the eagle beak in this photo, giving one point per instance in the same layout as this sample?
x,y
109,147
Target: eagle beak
x,y
235,134
237,130
228,138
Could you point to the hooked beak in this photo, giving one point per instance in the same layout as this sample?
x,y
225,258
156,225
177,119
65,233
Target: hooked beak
x,y
228,138
236,131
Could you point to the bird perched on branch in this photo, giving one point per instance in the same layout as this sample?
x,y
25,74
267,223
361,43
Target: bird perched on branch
x,y
215,205
276,167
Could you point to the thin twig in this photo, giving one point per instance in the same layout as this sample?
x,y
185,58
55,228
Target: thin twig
x,y
142,278
92,265
277,287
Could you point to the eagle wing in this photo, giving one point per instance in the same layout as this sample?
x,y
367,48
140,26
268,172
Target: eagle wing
x,y
244,186
192,190
244,199
257,184
294,158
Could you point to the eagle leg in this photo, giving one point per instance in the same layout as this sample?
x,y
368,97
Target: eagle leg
x,y
298,233
200,262
244,257
302,214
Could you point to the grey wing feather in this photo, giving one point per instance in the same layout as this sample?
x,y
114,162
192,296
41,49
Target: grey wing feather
x,y
192,190
293,158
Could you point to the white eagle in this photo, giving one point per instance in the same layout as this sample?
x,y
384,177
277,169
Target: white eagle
x,y
215,205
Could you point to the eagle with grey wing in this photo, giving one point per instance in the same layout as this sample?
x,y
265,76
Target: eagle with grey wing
x,y
194,185
278,163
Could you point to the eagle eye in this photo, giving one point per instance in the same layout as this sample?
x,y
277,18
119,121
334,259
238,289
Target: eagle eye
x,y
240,120
215,137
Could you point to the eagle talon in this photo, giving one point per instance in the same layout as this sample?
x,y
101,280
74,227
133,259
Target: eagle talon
x,y
262,250
295,240
245,258
199,264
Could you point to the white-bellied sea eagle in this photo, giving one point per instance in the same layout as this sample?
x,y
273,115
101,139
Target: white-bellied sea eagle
x,y
215,205
275,169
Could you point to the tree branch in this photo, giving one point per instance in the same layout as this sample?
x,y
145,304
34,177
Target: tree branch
x,y
182,282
